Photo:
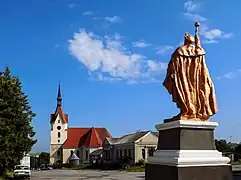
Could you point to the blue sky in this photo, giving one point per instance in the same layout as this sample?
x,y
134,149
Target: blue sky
x,y
110,57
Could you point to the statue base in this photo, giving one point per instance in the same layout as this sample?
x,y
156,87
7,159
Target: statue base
x,y
186,151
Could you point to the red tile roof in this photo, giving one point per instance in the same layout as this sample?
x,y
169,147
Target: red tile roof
x,y
85,137
59,111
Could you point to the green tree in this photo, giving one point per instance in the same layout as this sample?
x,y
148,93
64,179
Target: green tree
x,y
44,158
223,146
16,132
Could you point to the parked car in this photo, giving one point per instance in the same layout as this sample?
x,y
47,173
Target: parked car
x,y
22,172
45,167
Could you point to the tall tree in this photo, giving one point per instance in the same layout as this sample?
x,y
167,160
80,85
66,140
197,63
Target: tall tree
x,y
16,132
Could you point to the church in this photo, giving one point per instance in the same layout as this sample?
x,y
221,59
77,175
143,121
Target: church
x,y
68,141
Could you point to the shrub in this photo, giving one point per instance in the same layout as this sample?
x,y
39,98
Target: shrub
x,y
141,162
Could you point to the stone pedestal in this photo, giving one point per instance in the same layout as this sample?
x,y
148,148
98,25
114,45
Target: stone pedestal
x,y
186,151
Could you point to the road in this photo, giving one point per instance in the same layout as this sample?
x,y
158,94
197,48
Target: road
x,y
95,174
86,175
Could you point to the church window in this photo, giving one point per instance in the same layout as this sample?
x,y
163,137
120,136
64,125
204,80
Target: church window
x,y
58,140
58,121
59,153
77,153
71,152
86,155
58,127
58,134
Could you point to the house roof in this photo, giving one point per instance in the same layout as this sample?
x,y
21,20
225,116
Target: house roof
x,y
96,152
129,138
85,137
59,111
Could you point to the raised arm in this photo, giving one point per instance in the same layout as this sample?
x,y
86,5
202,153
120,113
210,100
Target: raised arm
x,y
197,39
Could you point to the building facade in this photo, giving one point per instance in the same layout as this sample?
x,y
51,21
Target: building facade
x,y
64,141
132,147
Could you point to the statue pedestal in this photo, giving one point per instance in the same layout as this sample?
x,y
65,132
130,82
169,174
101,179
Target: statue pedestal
x,y
186,151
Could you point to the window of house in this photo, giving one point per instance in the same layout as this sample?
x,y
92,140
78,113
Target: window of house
x,y
104,155
77,153
71,152
59,153
125,152
151,151
58,134
86,155
117,154
143,154
107,155
129,153
120,153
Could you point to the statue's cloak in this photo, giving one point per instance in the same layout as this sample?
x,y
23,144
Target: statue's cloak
x,y
189,82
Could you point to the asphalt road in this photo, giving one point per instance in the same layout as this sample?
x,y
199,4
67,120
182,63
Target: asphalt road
x,y
86,175
107,175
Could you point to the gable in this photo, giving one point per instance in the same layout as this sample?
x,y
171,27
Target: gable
x,y
59,112
106,142
148,138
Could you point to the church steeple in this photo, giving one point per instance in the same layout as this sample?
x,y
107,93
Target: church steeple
x,y
59,98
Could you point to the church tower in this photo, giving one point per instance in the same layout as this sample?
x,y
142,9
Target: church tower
x,y
58,131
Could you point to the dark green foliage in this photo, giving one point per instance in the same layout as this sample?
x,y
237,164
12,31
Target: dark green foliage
x,y
16,132
44,158
238,152
223,146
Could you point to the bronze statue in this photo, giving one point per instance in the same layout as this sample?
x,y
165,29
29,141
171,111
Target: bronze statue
x,y
188,81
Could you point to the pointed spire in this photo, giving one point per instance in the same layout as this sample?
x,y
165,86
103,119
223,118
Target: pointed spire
x,y
59,98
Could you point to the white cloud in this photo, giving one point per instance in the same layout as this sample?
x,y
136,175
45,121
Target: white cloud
x,y
230,75
191,6
228,35
72,5
164,49
210,41
155,66
140,44
212,34
109,58
194,17
88,13
113,19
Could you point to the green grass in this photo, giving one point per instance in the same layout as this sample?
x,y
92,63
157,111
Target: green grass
x,y
136,168
7,175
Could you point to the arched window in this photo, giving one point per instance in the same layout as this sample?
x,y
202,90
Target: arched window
x,y
77,153
58,134
86,155
59,153
71,152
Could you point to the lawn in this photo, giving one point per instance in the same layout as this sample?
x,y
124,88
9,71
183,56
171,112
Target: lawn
x,y
8,175
136,168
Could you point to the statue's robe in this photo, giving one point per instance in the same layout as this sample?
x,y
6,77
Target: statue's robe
x,y
189,83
